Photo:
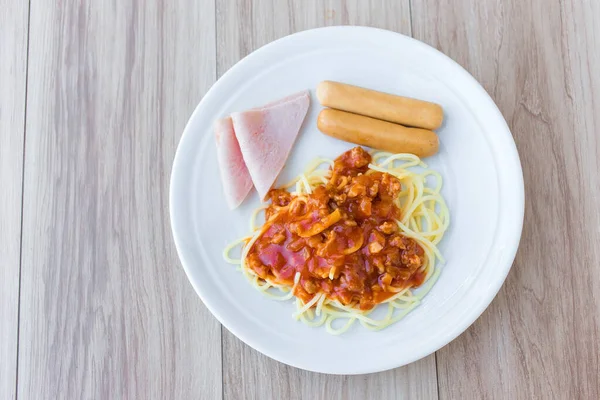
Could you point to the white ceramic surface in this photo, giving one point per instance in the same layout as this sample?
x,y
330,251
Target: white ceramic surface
x,y
483,186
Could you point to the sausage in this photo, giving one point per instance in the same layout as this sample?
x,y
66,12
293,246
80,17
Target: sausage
x,y
384,106
377,134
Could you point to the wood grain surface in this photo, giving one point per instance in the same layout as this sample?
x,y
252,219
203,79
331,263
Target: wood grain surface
x,y
539,60
106,309
93,99
13,65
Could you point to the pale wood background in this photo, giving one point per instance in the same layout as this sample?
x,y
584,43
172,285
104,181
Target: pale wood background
x,y
94,96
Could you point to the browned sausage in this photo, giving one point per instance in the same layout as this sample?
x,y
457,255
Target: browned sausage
x,y
377,134
384,106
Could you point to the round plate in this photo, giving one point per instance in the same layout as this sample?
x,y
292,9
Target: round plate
x,y
483,186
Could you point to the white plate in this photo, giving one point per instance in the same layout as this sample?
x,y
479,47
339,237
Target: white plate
x,y
483,186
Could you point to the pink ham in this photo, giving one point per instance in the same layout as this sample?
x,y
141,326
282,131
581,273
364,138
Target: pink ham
x,y
266,136
285,99
234,174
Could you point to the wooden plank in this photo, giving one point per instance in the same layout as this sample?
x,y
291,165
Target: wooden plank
x,y
249,375
13,70
539,61
106,309
243,26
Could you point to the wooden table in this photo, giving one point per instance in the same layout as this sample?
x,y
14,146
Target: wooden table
x,y
94,96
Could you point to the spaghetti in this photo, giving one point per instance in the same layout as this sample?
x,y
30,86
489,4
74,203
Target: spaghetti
x,y
350,242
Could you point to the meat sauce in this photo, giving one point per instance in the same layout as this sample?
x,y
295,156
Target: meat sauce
x,y
343,238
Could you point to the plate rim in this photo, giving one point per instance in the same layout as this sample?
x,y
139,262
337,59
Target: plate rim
x,y
519,193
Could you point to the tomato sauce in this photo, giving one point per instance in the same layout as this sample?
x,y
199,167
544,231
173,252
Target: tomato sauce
x,y
343,238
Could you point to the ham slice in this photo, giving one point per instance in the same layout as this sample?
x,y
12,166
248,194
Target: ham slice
x,y
234,174
266,136
285,99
